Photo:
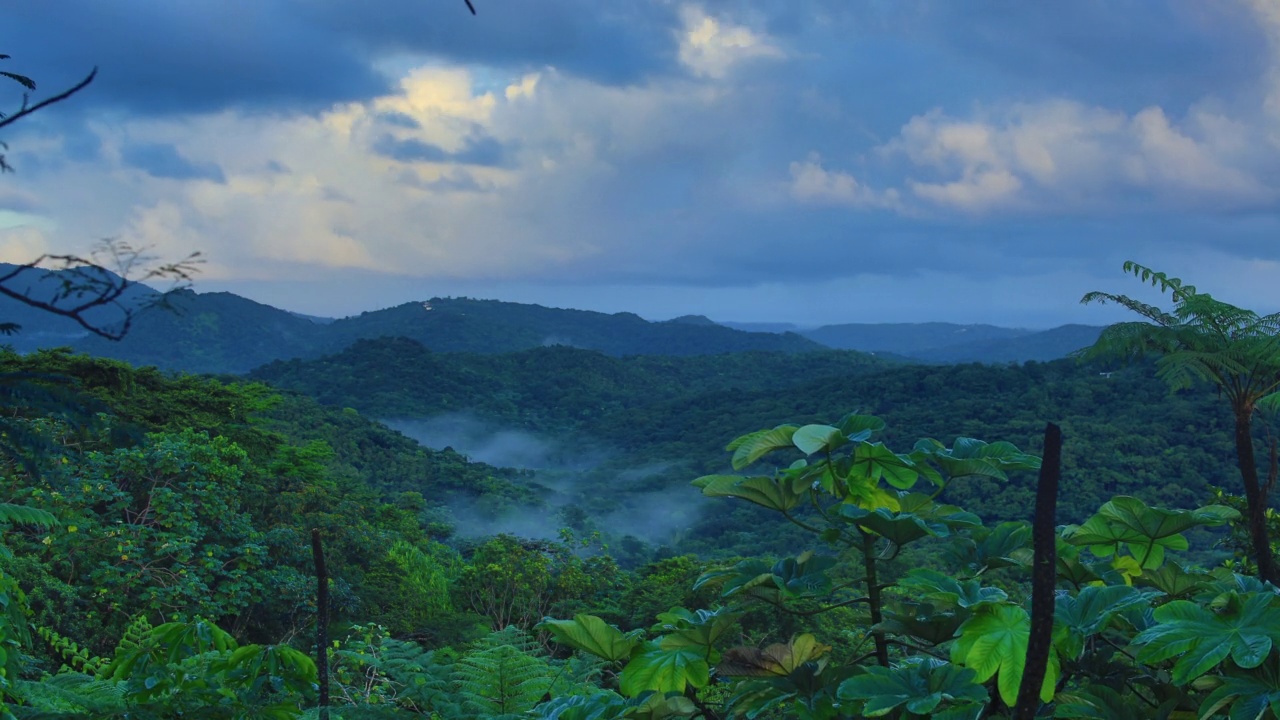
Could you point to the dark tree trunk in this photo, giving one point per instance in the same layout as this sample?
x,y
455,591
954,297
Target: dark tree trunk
x,y
1044,576
322,623
1254,497
874,598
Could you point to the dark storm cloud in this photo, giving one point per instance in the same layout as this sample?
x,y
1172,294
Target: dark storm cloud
x,y
187,57
163,161
615,42
305,55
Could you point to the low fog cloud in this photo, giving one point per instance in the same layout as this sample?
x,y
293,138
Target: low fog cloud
x,y
491,443
619,500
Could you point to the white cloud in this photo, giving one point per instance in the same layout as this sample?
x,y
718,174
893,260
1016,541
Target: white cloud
x,y
812,183
1062,155
711,47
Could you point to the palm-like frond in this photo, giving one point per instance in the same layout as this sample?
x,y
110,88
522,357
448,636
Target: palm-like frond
x,y
70,695
11,514
1150,312
1178,290
1202,339
503,675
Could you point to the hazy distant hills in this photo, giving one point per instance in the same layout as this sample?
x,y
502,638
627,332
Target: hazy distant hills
x,y
39,328
492,326
945,342
1040,346
211,332
225,333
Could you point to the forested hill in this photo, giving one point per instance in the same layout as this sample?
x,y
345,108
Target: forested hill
x,y
226,333
1126,433
938,342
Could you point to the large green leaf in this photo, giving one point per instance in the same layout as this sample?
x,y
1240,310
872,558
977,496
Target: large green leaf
x,y
898,528
922,621
1007,544
875,461
662,670
700,629
751,575
919,688
590,634
1174,580
994,641
854,424
820,438
1243,627
1090,611
753,446
1249,694
949,515
1099,702
777,660
1144,531
776,493
974,458
940,587
804,575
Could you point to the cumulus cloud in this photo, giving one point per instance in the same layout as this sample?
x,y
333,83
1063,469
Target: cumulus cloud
x,y
813,183
712,47
1061,155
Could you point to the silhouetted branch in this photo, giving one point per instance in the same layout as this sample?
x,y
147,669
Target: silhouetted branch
x,y
29,109
100,280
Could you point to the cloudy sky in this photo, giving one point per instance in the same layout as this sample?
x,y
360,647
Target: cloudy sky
x,y
814,162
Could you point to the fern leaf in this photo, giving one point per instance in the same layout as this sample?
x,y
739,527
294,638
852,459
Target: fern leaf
x,y
24,515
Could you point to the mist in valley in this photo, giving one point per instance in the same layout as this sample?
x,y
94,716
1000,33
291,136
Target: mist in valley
x,y
581,483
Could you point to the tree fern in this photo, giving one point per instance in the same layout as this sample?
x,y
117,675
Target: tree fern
x,y
503,676
1205,339
376,673
70,694
11,514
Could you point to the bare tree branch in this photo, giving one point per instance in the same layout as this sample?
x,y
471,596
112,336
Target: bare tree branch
x,y
28,109
81,284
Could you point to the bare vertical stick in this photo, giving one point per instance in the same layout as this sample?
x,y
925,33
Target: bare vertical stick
x,y
1044,576
322,622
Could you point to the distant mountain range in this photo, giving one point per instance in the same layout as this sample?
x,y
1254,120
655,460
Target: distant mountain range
x,y
225,333
944,342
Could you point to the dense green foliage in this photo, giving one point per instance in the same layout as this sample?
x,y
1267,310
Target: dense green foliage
x,y
154,559
1130,436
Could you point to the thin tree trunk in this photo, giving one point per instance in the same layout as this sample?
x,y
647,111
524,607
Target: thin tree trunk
x,y
1254,497
1044,576
874,599
322,623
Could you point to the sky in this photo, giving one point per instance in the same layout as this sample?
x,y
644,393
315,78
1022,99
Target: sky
x,y
814,162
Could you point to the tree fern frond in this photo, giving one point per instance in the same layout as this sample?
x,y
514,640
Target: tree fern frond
x,y
502,681
11,514
1151,312
76,658
71,694
1158,279
1126,341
